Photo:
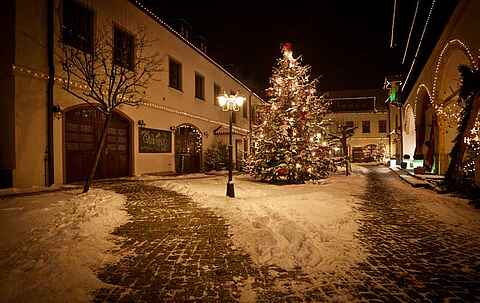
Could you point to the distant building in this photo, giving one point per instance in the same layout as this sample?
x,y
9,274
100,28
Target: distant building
x,y
181,114
366,110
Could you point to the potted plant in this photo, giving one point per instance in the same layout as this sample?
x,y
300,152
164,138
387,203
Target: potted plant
x,y
406,160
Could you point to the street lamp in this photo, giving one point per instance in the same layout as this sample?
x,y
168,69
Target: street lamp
x,y
230,103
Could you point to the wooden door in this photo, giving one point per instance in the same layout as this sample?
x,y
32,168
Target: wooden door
x,y
83,127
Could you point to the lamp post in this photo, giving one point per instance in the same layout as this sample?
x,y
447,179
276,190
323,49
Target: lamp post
x,y
230,103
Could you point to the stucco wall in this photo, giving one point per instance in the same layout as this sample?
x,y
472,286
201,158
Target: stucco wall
x,y
166,106
458,44
7,90
359,138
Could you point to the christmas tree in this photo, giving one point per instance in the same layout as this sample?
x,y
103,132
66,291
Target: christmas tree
x,y
290,144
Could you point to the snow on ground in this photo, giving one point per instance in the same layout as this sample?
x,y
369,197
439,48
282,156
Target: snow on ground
x,y
309,225
52,242
446,208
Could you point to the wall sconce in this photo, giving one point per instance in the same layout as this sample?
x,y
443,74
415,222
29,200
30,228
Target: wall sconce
x,y
205,133
172,128
141,123
57,111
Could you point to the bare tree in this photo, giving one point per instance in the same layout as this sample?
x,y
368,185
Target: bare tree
x,y
470,93
343,134
115,71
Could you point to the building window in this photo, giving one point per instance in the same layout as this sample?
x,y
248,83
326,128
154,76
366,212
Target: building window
x,y
382,126
245,109
77,30
199,86
123,48
365,127
253,114
217,90
175,74
348,124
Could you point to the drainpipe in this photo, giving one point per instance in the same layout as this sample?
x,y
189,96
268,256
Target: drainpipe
x,y
50,84
401,130
249,123
389,133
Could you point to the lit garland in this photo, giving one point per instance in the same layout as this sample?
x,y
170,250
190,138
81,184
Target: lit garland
x,y
43,76
450,112
150,13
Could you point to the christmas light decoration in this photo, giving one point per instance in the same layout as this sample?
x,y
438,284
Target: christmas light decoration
x,y
289,145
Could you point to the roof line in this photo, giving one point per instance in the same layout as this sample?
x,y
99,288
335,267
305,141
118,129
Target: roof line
x,y
160,21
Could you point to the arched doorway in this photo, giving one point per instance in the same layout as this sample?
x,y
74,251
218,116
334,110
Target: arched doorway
x,y
446,97
83,127
188,149
426,126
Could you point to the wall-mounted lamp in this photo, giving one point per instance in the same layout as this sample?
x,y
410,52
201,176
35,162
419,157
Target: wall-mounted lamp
x,y
205,133
172,128
57,111
141,123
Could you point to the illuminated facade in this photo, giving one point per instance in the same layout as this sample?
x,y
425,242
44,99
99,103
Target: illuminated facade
x,y
431,110
366,110
49,140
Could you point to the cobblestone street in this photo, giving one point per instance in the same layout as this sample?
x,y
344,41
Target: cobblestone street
x,y
413,257
180,252
176,251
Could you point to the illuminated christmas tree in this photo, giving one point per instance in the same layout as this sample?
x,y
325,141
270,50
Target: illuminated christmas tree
x,y
290,144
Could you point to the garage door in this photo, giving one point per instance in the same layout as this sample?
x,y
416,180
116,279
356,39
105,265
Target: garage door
x,y
83,129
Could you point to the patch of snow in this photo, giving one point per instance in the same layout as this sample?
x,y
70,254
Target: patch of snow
x,y
310,225
454,211
61,246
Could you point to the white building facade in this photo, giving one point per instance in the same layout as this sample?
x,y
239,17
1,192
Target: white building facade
x,y
366,111
45,142
431,110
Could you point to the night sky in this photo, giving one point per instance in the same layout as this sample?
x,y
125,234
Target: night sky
x,y
345,42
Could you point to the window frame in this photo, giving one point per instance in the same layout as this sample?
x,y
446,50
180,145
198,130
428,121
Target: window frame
x,y
202,90
245,109
215,95
89,49
382,128
129,65
179,73
366,123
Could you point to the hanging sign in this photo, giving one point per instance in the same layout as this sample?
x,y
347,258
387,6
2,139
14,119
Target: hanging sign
x,y
154,140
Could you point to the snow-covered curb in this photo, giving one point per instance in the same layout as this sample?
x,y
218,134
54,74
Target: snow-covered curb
x,y
311,226
57,261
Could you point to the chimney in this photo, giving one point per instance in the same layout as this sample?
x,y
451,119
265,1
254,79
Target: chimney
x,y
201,43
183,28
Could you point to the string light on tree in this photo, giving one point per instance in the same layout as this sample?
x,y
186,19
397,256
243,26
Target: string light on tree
x,y
289,144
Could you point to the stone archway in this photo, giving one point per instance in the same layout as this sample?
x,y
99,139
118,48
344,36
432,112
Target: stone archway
x,y
82,132
188,149
446,89
426,126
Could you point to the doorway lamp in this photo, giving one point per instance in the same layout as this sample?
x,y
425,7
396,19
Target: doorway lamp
x,y
230,103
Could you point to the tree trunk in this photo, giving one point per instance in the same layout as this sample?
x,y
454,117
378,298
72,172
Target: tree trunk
x,y
345,151
98,154
454,174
